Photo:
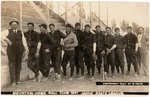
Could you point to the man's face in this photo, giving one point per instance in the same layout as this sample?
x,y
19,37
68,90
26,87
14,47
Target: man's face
x,y
51,28
117,32
140,30
98,29
108,31
129,30
68,30
42,29
87,29
30,27
77,27
14,25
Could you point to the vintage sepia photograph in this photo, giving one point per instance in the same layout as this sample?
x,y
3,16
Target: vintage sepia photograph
x,y
74,48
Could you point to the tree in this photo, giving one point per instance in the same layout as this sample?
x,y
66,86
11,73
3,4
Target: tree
x,y
147,31
113,25
123,25
135,27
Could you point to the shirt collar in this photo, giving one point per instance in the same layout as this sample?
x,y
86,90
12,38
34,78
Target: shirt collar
x,y
15,30
68,33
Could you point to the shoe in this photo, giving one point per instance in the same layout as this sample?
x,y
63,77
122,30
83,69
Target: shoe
x,y
105,76
35,79
123,76
128,73
14,84
88,75
39,78
81,77
77,76
58,79
92,78
45,79
19,82
70,79
135,74
56,74
117,74
112,75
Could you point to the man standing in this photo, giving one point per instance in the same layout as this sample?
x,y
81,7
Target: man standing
x,y
131,50
100,47
70,42
56,50
33,43
89,47
119,52
45,51
79,51
16,46
142,50
110,51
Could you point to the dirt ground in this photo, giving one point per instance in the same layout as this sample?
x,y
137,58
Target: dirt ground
x,y
82,85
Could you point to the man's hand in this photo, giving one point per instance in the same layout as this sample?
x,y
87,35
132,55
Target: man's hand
x,y
47,50
8,42
103,52
124,50
37,54
135,53
108,51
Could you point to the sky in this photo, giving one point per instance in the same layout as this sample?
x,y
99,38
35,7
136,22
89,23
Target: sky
x,y
130,11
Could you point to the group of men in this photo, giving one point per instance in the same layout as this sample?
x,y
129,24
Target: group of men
x,y
101,49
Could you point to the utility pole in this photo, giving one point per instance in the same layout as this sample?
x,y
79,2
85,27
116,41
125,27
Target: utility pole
x,y
21,15
90,14
107,13
99,13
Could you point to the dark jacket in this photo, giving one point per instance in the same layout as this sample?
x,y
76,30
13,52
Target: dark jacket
x,y
89,39
16,39
100,41
57,36
109,41
80,38
32,38
120,42
130,40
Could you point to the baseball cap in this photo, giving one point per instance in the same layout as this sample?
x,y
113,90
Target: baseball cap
x,y
43,25
68,25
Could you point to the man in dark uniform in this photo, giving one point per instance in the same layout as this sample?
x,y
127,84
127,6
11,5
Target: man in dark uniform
x,y
45,51
100,46
131,50
16,46
110,52
89,47
70,42
79,51
119,51
33,43
56,50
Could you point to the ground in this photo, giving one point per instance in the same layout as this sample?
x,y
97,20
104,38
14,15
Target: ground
x,y
81,85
